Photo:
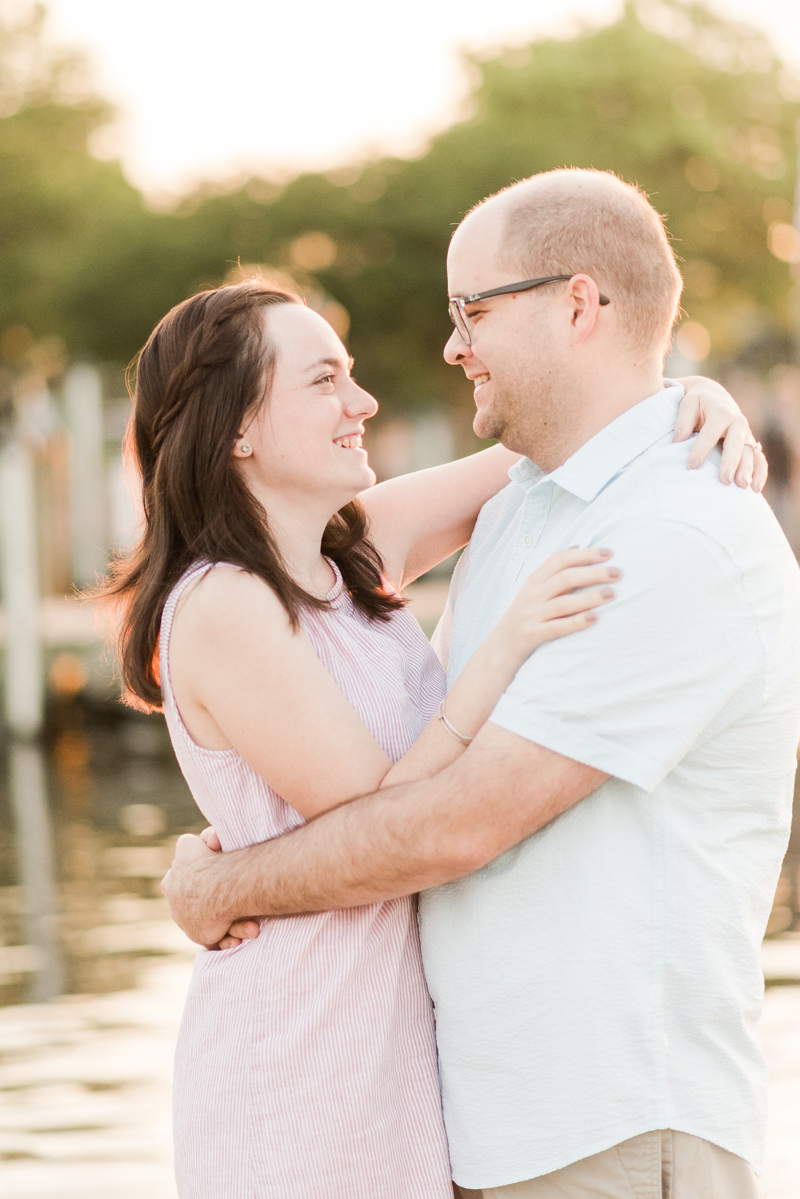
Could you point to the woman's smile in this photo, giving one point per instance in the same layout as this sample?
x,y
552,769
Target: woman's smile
x,y
350,441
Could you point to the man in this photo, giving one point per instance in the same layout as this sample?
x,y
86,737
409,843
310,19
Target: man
x,y
598,867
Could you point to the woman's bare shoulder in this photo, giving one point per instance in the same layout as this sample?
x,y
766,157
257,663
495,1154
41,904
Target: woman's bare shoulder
x,y
230,598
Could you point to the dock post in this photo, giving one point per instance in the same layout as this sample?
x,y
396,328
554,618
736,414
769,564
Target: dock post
x,y
83,408
19,577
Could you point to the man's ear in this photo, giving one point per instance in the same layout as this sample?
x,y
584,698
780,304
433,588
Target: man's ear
x,y
583,296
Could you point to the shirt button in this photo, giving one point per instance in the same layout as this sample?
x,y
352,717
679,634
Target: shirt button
x,y
527,539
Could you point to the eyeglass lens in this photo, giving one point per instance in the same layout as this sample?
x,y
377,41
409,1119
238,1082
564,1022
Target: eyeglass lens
x,y
460,321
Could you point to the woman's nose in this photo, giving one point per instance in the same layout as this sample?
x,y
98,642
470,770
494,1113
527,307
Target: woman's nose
x,y
360,402
456,350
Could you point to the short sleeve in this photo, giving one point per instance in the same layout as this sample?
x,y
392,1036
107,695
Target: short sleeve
x,y
673,653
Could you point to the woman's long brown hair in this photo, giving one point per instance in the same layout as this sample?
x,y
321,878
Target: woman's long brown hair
x,y
205,368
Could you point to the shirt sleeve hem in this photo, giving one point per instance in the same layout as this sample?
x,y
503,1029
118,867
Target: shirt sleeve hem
x,y
581,746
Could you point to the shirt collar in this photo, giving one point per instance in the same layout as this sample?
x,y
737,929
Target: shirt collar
x,y
596,463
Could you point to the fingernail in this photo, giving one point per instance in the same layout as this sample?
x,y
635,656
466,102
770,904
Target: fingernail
x,y
607,593
678,435
614,572
756,487
728,476
590,618
606,553
693,463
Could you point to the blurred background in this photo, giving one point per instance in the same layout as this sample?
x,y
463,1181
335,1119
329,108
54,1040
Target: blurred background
x,y
149,150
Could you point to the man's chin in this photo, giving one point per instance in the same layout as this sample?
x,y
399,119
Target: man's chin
x,y
486,424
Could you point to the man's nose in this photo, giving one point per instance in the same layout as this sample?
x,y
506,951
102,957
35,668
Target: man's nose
x,y
456,351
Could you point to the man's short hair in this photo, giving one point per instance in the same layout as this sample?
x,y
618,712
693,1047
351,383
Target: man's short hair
x,y
572,221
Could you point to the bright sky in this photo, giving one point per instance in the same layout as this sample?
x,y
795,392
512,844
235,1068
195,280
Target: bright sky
x,y
209,88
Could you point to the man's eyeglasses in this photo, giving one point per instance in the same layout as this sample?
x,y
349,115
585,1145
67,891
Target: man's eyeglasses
x,y
458,304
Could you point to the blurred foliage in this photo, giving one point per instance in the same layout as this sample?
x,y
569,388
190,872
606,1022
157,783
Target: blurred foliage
x,y
58,204
695,109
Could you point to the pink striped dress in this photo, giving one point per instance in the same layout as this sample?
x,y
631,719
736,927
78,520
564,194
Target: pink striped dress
x,y
306,1063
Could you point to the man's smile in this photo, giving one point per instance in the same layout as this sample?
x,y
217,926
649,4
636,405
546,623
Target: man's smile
x,y
479,381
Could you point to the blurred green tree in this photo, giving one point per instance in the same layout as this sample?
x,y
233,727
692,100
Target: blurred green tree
x,y
58,203
697,110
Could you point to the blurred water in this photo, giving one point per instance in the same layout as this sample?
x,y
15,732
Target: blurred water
x,y
93,973
88,830
87,833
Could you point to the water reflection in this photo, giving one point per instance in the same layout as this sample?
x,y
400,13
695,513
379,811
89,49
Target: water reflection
x,y
89,827
36,865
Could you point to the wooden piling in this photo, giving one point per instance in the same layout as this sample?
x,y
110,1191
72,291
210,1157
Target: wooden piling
x,y
19,578
83,409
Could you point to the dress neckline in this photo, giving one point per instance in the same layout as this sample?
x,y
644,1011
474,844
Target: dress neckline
x,y
335,595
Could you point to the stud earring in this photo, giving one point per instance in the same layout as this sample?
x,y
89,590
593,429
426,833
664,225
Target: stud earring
x,y
246,448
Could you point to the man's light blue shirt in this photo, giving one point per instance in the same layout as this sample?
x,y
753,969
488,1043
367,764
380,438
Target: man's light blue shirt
x,y
602,979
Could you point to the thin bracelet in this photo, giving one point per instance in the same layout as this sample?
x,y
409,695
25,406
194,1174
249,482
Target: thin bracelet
x,y
451,730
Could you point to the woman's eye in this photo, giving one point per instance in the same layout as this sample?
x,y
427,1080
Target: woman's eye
x,y
326,379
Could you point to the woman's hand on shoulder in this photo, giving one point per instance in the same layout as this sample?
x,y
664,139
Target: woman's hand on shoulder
x,y
709,408
558,598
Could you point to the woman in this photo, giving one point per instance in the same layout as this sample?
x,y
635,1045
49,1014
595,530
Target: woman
x,y
292,679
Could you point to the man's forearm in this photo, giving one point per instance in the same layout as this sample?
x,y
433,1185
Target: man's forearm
x,y
359,853
403,839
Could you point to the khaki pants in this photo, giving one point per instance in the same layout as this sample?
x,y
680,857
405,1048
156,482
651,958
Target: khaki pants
x,y
655,1165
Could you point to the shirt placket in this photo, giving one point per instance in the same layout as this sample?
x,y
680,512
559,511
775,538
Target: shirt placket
x,y
535,511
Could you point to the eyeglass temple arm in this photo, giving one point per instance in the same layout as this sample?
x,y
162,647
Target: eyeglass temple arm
x,y
514,287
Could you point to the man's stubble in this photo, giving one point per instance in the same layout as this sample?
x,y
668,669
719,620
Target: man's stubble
x,y
527,413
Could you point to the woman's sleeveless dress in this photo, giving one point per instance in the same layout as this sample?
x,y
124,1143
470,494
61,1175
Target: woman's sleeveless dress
x,y
306,1063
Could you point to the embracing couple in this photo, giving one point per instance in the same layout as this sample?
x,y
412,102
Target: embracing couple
x,y
594,817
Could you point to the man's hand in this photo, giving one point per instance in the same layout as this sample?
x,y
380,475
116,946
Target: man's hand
x,y
211,839
188,886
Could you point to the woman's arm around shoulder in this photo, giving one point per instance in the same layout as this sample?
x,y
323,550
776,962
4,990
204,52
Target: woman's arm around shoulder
x,y
419,519
710,411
